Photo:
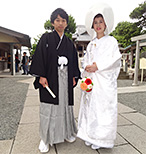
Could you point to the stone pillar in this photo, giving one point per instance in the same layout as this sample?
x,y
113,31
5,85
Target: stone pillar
x,y
124,62
12,59
20,55
136,64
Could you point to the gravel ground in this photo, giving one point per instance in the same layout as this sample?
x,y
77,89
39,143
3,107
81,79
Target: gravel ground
x,y
12,98
13,95
135,101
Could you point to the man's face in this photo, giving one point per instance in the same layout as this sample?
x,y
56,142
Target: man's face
x,y
60,24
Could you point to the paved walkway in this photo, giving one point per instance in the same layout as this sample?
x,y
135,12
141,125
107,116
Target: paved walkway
x,y
131,133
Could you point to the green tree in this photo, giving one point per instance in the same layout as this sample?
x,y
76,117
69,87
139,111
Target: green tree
x,y
35,44
48,25
139,13
124,31
70,29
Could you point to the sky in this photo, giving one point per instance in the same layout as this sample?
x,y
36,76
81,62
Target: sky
x,y
28,16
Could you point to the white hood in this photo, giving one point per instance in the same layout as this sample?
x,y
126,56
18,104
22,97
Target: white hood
x,y
106,11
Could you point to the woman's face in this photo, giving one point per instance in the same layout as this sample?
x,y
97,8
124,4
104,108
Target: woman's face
x,y
99,25
60,24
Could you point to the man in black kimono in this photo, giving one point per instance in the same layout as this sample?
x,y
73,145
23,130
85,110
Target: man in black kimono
x,y
55,63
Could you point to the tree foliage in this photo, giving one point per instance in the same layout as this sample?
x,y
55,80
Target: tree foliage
x,y
124,31
34,45
48,25
139,13
71,27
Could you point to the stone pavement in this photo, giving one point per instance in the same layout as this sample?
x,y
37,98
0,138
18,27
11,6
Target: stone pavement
x,y
131,133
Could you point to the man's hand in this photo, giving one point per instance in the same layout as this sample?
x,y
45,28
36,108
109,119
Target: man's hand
x,y
43,81
91,68
74,81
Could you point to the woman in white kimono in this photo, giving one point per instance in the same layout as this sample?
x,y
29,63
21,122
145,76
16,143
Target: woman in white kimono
x,y
97,123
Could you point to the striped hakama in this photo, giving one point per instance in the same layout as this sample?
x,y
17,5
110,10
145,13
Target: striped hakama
x,y
57,121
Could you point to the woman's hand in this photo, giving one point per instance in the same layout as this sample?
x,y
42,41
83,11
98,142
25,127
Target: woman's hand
x,y
91,68
43,81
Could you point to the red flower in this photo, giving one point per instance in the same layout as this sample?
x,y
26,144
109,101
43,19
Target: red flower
x,y
88,81
88,90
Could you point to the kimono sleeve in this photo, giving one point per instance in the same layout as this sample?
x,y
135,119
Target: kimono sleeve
x,y
76,72
110,61
38,65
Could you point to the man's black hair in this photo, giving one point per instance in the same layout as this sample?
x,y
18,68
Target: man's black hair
x,y
60,12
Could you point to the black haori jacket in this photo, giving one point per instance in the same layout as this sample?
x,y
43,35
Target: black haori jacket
x,y
45,64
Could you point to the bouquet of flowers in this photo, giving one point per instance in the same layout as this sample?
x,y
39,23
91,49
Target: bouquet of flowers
x,y
86,84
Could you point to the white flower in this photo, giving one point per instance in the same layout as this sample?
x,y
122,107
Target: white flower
x,y
90,86
83,79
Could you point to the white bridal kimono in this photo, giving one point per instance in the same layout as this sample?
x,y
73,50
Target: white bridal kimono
x,y
97,121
